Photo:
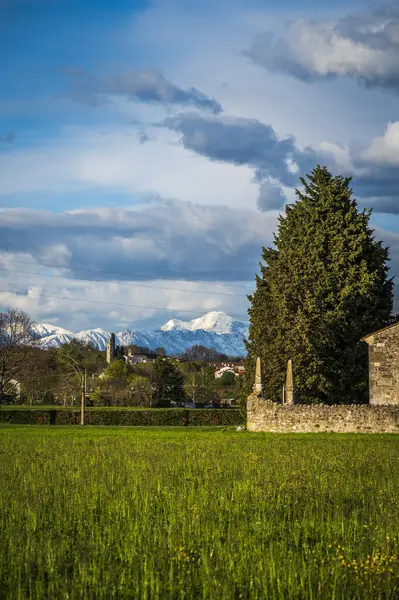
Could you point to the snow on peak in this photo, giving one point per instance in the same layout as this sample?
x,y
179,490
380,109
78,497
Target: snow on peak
x,y
52,336
97,330
55,340
215,329
218,322
215,321
98,337
45,329
176,325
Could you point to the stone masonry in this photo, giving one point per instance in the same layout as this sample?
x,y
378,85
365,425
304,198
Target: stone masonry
x,y
264,415
380,416
111,348
384,365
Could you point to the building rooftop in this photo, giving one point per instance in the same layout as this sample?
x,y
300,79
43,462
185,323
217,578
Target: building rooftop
x,y
366,337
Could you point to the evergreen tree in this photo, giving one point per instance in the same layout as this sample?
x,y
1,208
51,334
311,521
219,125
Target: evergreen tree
x,y
168,383
322,288
118,369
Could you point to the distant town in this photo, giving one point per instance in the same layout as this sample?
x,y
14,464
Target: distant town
x,y
75,370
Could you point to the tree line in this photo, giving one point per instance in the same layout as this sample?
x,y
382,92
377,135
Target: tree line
x,y
60,376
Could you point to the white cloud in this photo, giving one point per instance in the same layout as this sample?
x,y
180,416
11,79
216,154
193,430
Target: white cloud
x,y
292,166
83,160
323,51
341,156
385,149
118,247
363,47
78,305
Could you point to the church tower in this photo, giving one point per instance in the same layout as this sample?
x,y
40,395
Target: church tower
x,y
111,348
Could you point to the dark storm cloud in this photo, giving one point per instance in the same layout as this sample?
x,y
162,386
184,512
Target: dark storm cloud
x,y
239,141
148,86
271,197
250,142
171,240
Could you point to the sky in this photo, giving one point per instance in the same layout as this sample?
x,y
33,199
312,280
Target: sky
x,y
147,147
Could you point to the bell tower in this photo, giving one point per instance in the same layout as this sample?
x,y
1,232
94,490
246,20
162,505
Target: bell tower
x,y
111,348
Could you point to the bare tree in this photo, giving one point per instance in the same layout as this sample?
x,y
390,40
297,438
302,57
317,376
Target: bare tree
x,y
17,338
67,391
73,364
40,380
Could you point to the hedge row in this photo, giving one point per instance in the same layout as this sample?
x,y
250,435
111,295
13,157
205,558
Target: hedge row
x,y
149,417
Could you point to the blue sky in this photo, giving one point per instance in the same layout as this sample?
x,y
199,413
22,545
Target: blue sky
x,y
164,137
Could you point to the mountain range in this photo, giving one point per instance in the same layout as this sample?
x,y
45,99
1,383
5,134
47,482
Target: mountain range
x,y
215,329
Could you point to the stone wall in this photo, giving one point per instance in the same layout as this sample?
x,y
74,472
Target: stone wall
x,y
263,415
384,366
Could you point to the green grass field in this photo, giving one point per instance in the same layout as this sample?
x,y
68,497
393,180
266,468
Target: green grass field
x,y
122,513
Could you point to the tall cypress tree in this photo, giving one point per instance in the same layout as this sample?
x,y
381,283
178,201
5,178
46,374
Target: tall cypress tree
x,y
322,287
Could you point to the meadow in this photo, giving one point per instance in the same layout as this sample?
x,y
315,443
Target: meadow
x,y
104,513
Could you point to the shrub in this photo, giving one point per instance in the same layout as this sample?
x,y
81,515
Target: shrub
x,y
122,416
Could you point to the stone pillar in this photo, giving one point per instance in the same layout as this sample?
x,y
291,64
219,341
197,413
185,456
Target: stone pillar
x,y
255,400
289,384
258,379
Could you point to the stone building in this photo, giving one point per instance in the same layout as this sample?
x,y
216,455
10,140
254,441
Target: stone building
x,y
139,357
111,349
289,417
384,365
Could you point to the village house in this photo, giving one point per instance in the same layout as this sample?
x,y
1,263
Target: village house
x,y
223,370
138,358
228,367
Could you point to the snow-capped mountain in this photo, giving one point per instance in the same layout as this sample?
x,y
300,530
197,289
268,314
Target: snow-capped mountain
x,y
214,322
55,340
98,337
215,329
52,336
44,329
175,342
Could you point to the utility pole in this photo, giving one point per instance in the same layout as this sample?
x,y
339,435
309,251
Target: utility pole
x,y
84,390
82,375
